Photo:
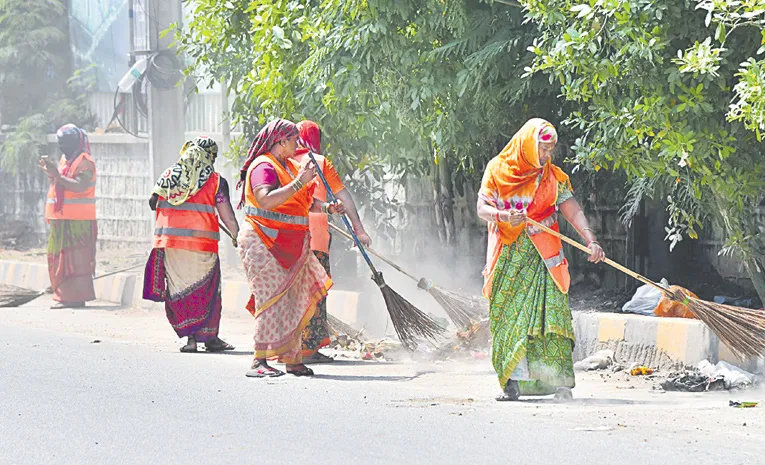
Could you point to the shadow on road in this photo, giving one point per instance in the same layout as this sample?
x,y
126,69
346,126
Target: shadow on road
x,y
368,378
588,401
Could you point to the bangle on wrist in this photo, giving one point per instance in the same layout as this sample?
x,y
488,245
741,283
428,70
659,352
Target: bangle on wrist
x,y
325,208
592,242
297,184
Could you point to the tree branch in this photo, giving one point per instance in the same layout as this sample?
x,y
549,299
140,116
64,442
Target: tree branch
x,y
509,3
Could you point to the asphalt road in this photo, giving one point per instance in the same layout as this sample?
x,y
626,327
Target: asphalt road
x,y
133,399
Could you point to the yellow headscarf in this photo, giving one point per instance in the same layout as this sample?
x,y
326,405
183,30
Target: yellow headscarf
x,y
189,175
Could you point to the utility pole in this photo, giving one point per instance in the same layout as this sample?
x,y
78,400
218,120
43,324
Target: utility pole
x,y
167,117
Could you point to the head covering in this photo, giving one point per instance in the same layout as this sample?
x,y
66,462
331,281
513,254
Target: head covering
x,y
516,169
272,133
309,137
193,170
72,141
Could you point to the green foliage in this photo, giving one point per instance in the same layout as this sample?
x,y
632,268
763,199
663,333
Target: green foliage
x,y
37,94
653,81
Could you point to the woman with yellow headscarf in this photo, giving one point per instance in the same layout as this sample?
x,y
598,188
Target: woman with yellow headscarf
x,y
526,277
183,270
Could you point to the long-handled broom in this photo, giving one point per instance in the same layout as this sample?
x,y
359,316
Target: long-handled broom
x,y
462,309
741,329
409,322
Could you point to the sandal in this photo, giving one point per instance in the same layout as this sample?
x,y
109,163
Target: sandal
x,y
263,370
218,345
300,370
511,392
318,357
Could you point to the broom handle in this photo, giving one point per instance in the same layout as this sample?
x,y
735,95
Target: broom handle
x,y
333,199
608,261
370,250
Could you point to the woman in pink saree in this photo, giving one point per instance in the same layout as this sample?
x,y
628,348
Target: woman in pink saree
x,y
286,280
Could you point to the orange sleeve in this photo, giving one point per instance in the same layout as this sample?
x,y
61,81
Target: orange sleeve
x,y
333,179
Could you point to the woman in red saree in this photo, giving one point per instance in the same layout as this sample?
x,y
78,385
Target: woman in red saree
x,y
316,334
285,278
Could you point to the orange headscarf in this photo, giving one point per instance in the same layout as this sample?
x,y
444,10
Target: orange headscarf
x,y
512,182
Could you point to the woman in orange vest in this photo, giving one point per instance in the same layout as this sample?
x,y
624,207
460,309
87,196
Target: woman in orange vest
x,y
526,277
286,280
184,268
316,334
70,211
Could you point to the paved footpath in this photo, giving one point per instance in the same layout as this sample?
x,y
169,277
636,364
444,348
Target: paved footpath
x,y
132,398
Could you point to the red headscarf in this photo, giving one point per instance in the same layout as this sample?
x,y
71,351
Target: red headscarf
x,y
272,133
309,137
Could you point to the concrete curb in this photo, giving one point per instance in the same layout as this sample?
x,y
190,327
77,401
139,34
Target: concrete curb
x,y
653,341
236,294
34,276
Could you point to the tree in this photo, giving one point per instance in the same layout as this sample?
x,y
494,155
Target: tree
x,y
38,90
652,92
402,87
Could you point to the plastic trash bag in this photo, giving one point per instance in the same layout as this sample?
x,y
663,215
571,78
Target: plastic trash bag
x,y
598,361
673,309
733,376
645,300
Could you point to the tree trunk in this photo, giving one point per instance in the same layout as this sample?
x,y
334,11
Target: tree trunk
x,y
446,203
757,274
439,214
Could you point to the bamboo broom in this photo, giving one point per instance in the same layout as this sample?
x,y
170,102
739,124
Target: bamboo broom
x,y
462,309
741,329
409,322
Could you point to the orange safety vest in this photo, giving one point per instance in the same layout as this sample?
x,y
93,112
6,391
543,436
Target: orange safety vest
x,y
319,222
77,205
550,248
292,214
192,225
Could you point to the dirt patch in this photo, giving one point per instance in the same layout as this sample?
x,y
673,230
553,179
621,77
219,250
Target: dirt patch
x,y
589,298
17,235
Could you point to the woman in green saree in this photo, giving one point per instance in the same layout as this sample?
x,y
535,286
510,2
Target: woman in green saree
x,y
526,277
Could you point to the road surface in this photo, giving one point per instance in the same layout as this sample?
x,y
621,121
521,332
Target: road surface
x,y
132,398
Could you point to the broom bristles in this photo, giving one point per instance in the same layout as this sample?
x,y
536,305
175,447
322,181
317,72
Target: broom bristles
x,y
409,322
338,326
741,329
462,309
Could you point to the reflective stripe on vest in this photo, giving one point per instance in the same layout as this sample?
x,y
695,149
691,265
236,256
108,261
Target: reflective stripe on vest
x,y
184,232
73,201
187,206
552,262
74,205
276,216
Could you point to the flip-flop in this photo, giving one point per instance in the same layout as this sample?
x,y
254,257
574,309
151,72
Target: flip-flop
x,y
219,347
303,371
263,372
